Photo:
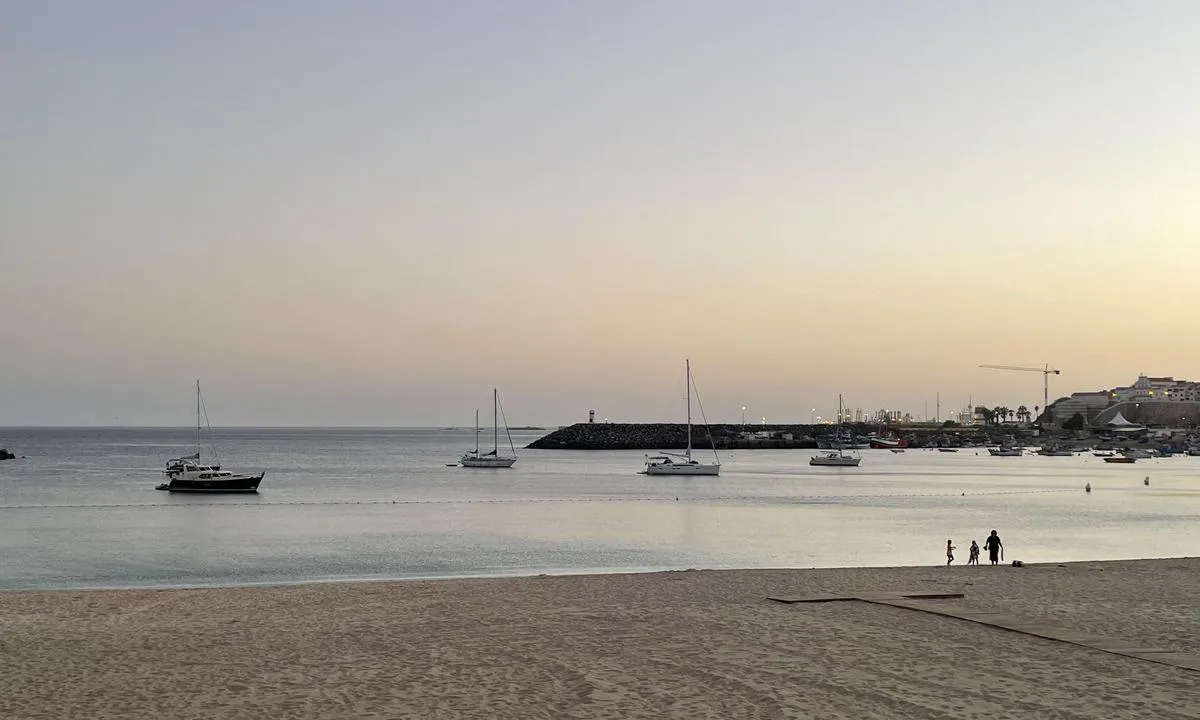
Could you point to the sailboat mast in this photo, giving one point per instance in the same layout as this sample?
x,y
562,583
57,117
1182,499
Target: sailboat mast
x,y
197,420
839,424
688,365
495,422
476,431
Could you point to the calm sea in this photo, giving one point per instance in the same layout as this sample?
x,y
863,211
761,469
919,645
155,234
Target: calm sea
x,y
345,504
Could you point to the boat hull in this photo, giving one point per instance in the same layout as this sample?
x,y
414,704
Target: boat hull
x,y
235,484
692,468
834,461
487,462
1120,460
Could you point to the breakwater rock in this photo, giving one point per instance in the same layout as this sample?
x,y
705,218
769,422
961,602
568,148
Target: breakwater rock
x,y
6,455
668,436
673,436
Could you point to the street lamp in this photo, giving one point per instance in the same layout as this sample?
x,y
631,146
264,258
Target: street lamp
x,y
743,417
811,414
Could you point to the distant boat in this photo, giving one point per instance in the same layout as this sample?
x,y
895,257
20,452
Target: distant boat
x,y
189,475
1006,452
675,464
493,459
1138,454
1055,451
897,450
838,457
1123,459
888,443
947,449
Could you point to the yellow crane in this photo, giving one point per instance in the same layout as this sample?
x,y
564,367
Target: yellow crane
x,y
1046,372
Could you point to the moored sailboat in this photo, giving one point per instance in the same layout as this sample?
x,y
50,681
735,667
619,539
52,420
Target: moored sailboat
x,y
675,464
493,459
189,474
838,457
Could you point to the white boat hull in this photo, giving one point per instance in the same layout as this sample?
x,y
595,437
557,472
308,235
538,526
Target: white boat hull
x,y
684,468
488,462
834,461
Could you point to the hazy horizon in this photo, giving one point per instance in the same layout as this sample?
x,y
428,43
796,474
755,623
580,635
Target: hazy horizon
x,y
371,215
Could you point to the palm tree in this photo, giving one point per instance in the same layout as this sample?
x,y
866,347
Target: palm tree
x,y
999,413
1022,414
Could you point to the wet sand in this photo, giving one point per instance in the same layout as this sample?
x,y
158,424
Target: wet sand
x,y
691,644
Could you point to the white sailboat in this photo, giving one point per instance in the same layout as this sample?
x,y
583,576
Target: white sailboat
x,y
493,459
838,457
676,464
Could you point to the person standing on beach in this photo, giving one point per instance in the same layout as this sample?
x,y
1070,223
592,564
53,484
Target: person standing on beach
x,y
993,546
974,558
949,552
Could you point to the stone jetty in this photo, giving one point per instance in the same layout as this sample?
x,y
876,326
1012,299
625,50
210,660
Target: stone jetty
x,y
671,436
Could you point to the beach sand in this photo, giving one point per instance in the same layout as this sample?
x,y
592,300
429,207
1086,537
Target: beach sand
x,y
690,644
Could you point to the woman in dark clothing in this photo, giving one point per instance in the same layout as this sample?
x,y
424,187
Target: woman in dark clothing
x,y
993,546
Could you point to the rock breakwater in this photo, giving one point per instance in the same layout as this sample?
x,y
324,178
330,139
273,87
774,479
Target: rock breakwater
x,y
667,436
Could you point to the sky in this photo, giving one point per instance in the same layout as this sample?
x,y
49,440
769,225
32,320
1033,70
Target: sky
x,y
372,213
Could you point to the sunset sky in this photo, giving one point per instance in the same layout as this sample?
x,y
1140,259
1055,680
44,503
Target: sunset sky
x,y
371,213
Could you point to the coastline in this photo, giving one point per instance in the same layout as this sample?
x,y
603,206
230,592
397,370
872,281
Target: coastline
x,y
795,436
694,643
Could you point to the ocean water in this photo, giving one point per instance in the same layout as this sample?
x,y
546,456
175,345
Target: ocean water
x,y
80,510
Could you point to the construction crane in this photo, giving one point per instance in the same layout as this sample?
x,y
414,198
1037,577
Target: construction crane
x,y
1046,372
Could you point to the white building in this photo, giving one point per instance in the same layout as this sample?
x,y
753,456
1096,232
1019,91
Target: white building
x,y
1157,389
1149,399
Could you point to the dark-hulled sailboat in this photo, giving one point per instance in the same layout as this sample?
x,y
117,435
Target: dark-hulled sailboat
x,y
189,475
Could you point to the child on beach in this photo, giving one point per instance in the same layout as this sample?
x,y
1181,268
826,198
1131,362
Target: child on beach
x,y
974,559
949,552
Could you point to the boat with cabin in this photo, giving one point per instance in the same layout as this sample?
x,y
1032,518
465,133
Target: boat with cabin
x,y
190,474
666,463
837,457
493,459
1006,452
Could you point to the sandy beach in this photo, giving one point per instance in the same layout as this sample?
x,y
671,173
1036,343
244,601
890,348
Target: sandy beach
x,y
689,644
